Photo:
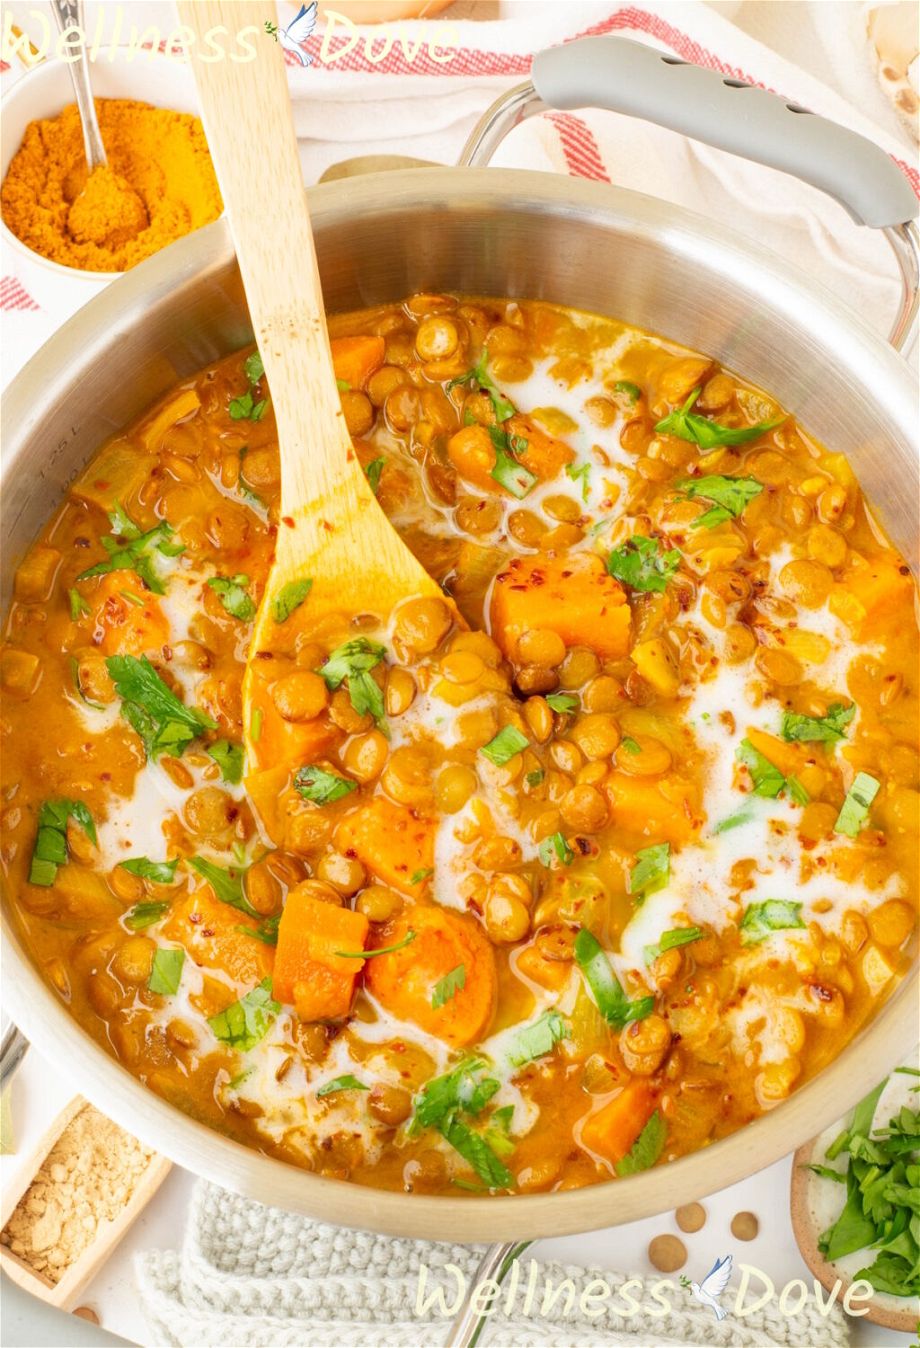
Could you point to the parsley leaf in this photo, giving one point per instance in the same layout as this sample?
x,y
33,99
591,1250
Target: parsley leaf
x,y
582,475
244,1023
508,471
855,809
463,1087
640,564
166,971
253,367
687,425
538,1038
78,605
448,986
561,702
729,496
556,847
353,661
671,940
316,784
503,408
345,1083
767,780
606,989
226,884
373,471
827,729
143,915
231,591
760,919
503,746
477,1153
229,757
153,710
646,1149
246,408
134,553
159,872
289,598
382,950
50,849
652,869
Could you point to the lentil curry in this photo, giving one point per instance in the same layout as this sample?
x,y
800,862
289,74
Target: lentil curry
x,y
567,881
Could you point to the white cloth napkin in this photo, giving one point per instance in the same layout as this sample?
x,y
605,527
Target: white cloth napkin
x,y
256,1277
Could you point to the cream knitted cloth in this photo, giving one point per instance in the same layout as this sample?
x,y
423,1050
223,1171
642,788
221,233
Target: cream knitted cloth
x,y
254,1276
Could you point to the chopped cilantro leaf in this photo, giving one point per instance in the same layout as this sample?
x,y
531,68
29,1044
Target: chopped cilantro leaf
x,y
448,986
640,564
316,784
855,809
605,987
289,598
166,971
244,1023
231,590
503,746
760,919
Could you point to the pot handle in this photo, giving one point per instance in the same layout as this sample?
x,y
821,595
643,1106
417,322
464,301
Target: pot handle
x,y
631,78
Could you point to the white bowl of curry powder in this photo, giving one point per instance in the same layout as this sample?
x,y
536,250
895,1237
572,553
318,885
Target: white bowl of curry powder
x,y
69,243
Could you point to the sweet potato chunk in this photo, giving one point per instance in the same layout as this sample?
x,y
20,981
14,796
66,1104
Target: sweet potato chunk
x,y
392,842
661,808
128,628
408,981
872,593
207,929
308,972
472,453
286,742
545,455
571,595
355,359
611,1131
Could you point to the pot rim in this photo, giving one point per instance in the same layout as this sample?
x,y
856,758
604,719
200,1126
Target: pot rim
x,y
877,1046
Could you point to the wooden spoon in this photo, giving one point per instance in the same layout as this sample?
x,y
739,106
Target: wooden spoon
x,y
332,531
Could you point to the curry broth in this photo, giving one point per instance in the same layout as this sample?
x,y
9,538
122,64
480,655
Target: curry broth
x,y
690,713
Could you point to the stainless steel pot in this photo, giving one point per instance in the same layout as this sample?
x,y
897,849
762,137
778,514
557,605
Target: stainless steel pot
x,y
517,234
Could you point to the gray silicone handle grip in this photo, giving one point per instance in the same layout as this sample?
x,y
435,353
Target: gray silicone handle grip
x,y
629,77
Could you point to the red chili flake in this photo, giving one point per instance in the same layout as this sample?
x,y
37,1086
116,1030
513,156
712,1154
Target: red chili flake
x,y
288,520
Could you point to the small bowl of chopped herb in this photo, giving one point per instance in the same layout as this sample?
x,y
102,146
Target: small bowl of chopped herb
x,y
856,1202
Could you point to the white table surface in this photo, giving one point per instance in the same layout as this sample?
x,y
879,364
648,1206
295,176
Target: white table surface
x,y
39,1092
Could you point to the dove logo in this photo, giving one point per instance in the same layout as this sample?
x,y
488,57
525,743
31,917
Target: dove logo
x,y
297,32
712,1286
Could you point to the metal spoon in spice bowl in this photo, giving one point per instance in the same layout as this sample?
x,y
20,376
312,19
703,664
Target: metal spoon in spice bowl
x,y
105,209
334,543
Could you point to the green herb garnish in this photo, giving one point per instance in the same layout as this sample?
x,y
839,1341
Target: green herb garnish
x,y
231,590
244,1023
345,1083
687,425
448,986
165,724
316,784
166,972
353,661
130,550
855,809
561,702
50,850
630,745
640,564
538,1038
417,877
503,746
555,847
382,950
651,869
760,919
671,940
582,475
372,473
767,780
78,605
631,390
266,931
230,758
159,872
226,884
646,1149
503,408
143,915
827,729
508,472
729,496
246,408
289,598
605,987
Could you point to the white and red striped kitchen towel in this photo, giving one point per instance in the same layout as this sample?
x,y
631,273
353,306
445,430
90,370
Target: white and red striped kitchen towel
x,y
377,101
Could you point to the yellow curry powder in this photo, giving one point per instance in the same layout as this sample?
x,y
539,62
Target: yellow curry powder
x,y
158,185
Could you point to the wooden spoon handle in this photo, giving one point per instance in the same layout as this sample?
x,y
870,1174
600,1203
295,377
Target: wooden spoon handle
x,y
247,117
